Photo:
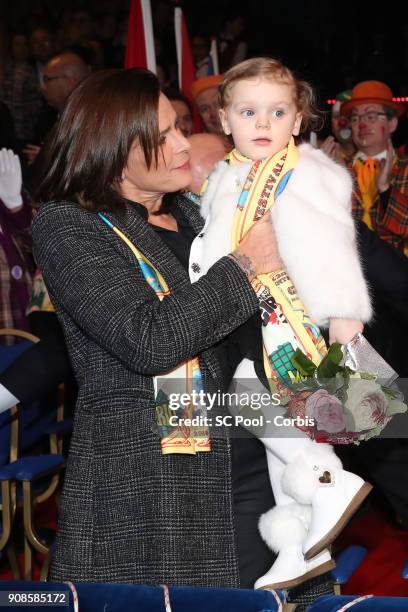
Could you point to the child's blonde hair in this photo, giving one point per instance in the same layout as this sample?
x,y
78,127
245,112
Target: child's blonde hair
x,y
272,69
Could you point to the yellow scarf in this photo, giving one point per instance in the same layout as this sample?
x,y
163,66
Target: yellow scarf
x,y
285,324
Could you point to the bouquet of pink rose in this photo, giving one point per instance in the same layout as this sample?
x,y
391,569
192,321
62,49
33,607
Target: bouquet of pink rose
x,y
337,404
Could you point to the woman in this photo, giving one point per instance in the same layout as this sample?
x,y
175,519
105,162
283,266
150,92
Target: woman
x,y
129,513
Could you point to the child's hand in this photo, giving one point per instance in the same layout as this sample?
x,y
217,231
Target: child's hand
x,y
344,330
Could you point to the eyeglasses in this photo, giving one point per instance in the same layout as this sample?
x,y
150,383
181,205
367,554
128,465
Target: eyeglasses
x,y
370,117
47,79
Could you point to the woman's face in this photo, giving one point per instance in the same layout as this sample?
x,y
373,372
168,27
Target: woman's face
x,y
173,164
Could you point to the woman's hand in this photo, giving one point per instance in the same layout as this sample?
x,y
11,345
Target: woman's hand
x,y
258,252
344,330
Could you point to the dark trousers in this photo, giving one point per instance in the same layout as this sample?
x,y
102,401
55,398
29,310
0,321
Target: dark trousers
x,y
252,496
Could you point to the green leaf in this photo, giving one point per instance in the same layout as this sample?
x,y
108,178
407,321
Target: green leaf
x,y
309,384
335,352
372,433
334,385
329,365
392,393
303,364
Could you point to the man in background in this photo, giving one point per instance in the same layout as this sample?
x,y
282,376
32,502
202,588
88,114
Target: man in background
x,y
380,197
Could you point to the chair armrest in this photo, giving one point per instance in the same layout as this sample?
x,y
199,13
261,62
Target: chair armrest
x,y
9,471
347,562
36,467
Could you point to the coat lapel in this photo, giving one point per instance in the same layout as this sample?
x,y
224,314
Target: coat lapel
x,y
192,212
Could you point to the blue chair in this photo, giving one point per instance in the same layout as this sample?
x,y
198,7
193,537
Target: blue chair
x,y
102,597
8,452
38,476
359,603
99,597
347,561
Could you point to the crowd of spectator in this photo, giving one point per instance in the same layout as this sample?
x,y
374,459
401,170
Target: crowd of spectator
x,y
41,65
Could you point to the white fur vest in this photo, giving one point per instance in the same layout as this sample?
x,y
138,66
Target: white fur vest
x,y
314,228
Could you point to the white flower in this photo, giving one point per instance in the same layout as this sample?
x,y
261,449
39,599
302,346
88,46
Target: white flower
x,y
367,404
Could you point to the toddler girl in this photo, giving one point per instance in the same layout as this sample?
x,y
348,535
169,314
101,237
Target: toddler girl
x,y
263,107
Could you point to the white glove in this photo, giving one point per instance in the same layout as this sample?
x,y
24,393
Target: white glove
x,y
7,399
10,179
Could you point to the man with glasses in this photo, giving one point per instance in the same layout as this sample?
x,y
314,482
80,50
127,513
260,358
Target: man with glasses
x,y
380,202
61,74
380,198
60,77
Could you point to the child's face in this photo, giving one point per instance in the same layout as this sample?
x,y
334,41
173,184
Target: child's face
x,y
261,117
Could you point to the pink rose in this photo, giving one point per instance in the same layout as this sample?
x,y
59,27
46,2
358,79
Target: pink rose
x,y
296,407
326,410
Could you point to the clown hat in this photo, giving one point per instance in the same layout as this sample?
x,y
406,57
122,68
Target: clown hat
x,y
375,92
204,83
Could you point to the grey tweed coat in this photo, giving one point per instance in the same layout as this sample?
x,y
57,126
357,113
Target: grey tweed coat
x,y
128,514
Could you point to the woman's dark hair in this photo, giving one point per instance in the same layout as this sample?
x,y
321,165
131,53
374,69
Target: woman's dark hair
x,y
103,117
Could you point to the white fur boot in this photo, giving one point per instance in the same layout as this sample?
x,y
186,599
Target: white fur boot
x,y
316,477
284,529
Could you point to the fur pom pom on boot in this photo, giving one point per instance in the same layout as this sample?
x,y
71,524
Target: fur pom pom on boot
x,y
284,529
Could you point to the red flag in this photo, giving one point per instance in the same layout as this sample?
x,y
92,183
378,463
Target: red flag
x,y
186,67
140,51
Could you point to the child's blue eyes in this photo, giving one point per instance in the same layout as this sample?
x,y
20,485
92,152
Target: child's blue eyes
x,y
276,114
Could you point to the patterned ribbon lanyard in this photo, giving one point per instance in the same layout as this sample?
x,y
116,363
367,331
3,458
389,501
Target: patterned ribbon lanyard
x,y
152,276
175,438
286,324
